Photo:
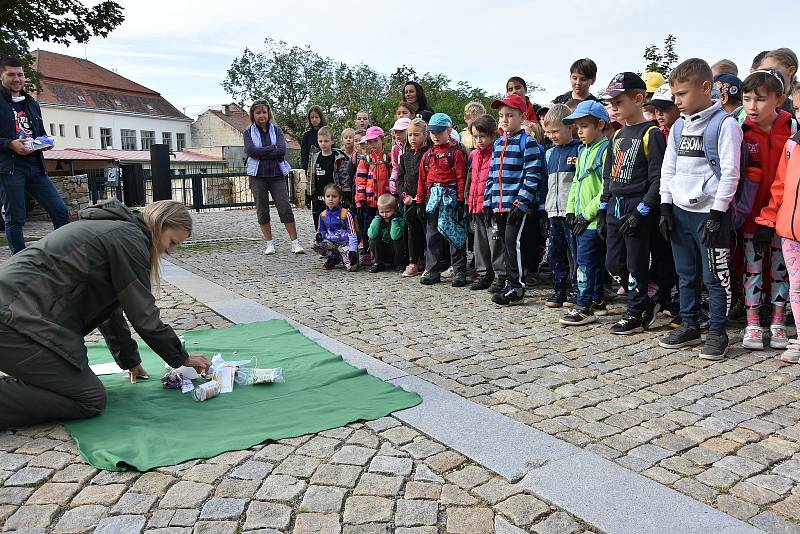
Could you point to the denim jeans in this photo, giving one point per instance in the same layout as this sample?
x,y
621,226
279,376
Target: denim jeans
x,y
35,181
589,265
560,255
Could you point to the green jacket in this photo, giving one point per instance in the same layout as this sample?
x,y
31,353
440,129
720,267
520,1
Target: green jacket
x,y
388,231
584,195
83,276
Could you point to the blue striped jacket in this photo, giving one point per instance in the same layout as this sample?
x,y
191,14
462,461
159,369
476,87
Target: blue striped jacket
x,y
515,177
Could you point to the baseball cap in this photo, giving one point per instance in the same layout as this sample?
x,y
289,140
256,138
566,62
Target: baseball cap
x,y
440,122
662,98
653,80
401,124
624,81
373,132
541,111
513,101
587,108
729,84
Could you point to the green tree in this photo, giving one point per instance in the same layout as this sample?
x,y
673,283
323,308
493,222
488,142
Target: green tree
x,y
54,21
661,59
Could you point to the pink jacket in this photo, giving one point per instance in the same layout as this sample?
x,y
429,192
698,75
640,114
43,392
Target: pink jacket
x,y
397,151
481,163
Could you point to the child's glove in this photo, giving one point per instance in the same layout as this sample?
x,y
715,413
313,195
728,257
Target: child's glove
x,y
570,220
633,221
516,216
666,223
580,225
601,223
711,229
762,239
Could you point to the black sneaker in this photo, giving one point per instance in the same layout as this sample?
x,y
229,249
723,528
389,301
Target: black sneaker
x,y
330,263
509,296
600,308
571,301
556,300
629,324
650,313
578,316
376,268
498,285
683,336
459,279
483,282
428,279
715,348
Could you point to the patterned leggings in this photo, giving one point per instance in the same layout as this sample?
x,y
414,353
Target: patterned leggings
x,y
791,253
754,269
329,250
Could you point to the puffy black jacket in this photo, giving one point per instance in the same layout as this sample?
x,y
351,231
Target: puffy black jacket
x,y
8,128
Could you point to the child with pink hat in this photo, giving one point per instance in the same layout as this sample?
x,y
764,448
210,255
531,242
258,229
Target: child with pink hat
x,y
399,139
372,180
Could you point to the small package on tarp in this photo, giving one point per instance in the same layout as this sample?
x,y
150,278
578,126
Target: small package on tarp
x,y
250,375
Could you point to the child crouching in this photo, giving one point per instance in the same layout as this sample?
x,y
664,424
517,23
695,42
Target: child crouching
x,y
336,237
386,234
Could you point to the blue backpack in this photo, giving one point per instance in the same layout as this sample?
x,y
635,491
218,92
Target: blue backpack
x,y
747,189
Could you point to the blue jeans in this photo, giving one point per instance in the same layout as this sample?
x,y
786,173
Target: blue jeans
x,y
692,260
562,250
36,182
590,268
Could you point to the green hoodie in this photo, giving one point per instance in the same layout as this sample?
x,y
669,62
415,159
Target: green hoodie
x,y
83,276
386,230
584,195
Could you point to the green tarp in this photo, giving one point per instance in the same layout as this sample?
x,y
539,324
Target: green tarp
x,y
145,426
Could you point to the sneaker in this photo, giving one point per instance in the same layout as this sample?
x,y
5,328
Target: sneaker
x,y
498,285
715,348
330,263
792,352
297,248
556,300
483,282
578,316
683,336
366,260
650,313
629,324
270,250
429,278
599,308
376,268
778,338
572,300
447,273
753,337
459,279
411,270
509,296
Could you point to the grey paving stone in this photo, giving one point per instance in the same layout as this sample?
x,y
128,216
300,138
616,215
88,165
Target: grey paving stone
x,y
324,499
80,519
367,509
184,517
251,470
775,483
391,465
336,475
281,488
424,473
789,469
153,483
523,510
215,527
35,516
353,455
29,476
469,520
267,515
106,495
314,523
496,490
504,526
415,513
54,493
422,490
298,466
129,524
134,503
557,523
773,523
469,476
218,508
74,473
185,494
379,485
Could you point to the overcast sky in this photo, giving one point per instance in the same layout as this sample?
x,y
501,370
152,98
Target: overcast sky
x,y
183,48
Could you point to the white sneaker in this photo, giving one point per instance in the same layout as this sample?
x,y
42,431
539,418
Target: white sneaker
x,y
778,339
792,352
297,249
270,250
447,274
753,338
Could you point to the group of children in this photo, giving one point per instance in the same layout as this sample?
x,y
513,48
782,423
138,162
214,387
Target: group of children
x,y
687,183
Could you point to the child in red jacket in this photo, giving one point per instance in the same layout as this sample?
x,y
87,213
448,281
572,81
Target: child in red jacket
x,y
372,180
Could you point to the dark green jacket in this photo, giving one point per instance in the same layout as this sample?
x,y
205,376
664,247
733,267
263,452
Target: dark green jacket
x,y
83,276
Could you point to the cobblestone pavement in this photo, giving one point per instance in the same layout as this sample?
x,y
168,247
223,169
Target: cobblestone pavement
x,y
725,433
377,477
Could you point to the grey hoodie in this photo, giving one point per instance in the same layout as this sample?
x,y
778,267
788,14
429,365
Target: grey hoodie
x,y
81,277
687,180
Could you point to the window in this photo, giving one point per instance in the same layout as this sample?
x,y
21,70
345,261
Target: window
x,y
62,131
180,141
90,131
105,138
128,139
77,131
52,130
148,138
166,138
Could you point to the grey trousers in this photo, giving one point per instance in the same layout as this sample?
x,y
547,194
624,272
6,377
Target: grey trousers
x,y
44,386
436,250
490,252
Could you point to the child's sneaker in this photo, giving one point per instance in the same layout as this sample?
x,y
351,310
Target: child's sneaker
x,y
297,248
792,352
411,270
571,301
715,348
483,282
498,285
556,300
510,295
459,279
683,336
330,263
447,273
578,316
429,278
376,268
270,250
778,339
629,324
366,259
600,308
753,337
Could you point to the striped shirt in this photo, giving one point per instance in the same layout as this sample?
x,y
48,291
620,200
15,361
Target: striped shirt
x,y
515,176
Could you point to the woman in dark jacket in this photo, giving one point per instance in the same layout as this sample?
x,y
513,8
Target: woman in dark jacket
x,y
265,145
414,94
81,277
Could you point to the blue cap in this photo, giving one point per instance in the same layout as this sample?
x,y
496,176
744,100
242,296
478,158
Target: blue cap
x,y
588,108
728,84
440,122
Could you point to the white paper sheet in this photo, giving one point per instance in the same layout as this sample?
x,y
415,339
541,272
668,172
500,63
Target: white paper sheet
x,y
102,369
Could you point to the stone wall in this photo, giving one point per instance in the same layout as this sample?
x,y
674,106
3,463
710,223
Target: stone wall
x,y
74,190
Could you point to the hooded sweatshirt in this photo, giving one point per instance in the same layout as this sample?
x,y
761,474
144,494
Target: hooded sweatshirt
x,y
687,180
561,160
481,159
83,276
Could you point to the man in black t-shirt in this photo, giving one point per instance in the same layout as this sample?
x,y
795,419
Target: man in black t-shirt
x,y
22,169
